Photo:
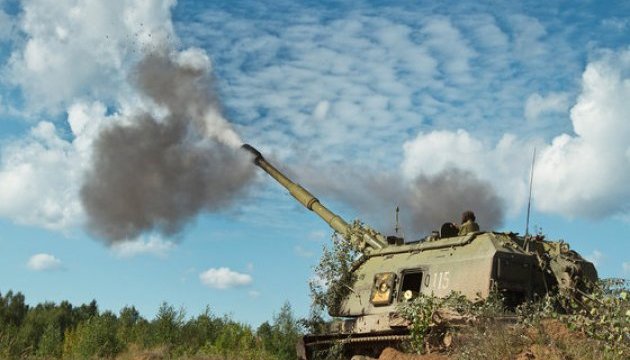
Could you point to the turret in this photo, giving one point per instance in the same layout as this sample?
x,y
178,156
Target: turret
x,y
362,238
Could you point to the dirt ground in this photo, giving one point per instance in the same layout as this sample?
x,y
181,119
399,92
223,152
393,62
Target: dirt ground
x,y
549,340
392,354
557,333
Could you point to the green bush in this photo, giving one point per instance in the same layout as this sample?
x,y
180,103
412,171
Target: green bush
x,y
166,328
94,338
51,343
281,337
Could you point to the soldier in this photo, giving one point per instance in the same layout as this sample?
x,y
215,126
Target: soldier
x,y
468,223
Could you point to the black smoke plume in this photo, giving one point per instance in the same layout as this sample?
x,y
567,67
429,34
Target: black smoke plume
x,y
443,197
156,174
425,203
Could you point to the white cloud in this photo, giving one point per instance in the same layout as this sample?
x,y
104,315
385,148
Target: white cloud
x,y
321,110
448,45
152,244
431,152
224,278
340,93
487,34
588,174
305,90
39,176
585,174
41,173
616,24
73,50
504,165
528,43
75,57
626,267
72,53
537,104
43,262
254,294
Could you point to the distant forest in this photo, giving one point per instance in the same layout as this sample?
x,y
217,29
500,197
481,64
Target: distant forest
x,y
55,331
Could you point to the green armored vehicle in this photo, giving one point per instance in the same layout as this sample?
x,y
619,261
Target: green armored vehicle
x,y
391,271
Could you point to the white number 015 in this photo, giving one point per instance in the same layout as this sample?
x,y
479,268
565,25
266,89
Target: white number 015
x,y
438,280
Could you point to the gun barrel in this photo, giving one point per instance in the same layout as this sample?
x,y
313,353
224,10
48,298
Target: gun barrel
x,y
299,193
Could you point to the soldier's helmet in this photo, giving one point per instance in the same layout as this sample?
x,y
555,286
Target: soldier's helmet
x,y
468,215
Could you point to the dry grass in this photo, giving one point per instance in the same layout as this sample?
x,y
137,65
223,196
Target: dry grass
x,y
162,353
547,339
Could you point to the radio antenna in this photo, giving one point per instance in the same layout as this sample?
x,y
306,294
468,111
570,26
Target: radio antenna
x,y
529,202
397,224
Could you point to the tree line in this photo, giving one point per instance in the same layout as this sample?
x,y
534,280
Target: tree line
x,y
55,331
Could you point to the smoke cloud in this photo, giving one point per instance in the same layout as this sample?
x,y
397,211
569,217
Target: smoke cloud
x,y
426,202
152,173
433,200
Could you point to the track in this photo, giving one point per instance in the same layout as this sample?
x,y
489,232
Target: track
x,y
312,346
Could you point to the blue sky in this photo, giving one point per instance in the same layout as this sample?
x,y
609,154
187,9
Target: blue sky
x,y
356,100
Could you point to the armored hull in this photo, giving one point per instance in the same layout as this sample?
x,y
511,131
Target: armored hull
x,y
471,265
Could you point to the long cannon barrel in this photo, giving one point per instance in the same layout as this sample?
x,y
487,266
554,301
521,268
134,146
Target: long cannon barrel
x,y
312,203
299,193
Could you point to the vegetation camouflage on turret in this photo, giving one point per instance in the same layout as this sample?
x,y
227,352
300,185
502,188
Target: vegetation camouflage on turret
x,y
333,275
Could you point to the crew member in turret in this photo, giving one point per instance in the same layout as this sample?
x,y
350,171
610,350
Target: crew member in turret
x,y
468,223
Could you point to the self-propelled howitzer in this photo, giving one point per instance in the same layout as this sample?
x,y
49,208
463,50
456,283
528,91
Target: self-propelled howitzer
x,y
391,272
